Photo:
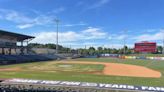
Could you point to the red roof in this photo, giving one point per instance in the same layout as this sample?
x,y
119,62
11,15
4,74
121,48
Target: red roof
x,y
146,42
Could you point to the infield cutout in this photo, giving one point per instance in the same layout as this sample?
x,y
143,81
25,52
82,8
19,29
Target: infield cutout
x,y
116,69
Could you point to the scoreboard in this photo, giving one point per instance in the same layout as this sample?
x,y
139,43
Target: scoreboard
x,y
145,47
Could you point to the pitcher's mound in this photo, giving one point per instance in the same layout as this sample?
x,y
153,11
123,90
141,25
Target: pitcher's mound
x,y
125,70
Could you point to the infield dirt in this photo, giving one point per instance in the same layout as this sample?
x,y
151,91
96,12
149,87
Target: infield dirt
x,y
123,69
114,69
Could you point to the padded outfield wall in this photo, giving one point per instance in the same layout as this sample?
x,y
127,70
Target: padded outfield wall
x,y
26,84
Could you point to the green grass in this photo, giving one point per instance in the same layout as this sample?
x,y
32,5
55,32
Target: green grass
x,y
78,67
33,73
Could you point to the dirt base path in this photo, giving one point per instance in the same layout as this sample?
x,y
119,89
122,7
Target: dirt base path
x,y
124,69
9,69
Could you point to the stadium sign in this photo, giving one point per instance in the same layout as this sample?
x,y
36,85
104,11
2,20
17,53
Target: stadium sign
x,y
85,84
145,47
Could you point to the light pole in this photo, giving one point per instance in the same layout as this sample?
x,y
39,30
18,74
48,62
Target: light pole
x,y
110,38
70,48
57,24
124,41
163,41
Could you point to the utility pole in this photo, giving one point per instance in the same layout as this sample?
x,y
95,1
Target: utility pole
x,y
70,48
110,38
85,50
125,42
57,24
163,41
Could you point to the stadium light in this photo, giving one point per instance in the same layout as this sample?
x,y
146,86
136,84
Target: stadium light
x,y
125,41
163,41
70,48
110,38
57,23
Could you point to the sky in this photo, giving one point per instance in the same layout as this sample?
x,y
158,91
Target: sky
x,y
85,22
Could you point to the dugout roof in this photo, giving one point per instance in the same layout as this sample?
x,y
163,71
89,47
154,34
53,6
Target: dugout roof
x,y
19,37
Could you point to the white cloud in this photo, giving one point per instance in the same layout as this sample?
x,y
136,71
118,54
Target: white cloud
x,y
22,21
94,33
24,26
118,46
150,37
121,37
151,30
98,4
11,15
50,37
92,36
40,20
96,45
78,24
117,37
70,36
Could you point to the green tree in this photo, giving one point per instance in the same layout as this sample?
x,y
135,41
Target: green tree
x,y
159,49
114,51
100,50
92,51
121,51
105,50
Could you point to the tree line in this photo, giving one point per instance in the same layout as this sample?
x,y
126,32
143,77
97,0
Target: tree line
x,y
90,50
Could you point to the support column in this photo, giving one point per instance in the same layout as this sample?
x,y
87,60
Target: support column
x,y
15,50
27,48
9,51
3,51
22,49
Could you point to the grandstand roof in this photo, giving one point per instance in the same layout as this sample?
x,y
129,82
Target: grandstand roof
x,y
19,37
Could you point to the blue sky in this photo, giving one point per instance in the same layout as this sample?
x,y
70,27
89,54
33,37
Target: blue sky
x,y
85,22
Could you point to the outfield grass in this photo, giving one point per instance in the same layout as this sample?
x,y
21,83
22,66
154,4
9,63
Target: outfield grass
x,y
33,73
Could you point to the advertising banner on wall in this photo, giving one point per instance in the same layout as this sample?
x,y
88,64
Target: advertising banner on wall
x,y
85,85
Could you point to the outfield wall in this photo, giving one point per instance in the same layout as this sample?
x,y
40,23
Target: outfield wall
x,y
141,57
130,57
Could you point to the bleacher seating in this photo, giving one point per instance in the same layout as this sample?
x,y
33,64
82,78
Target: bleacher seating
x,y
11,59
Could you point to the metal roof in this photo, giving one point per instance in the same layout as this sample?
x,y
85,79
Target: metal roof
x,y
19,37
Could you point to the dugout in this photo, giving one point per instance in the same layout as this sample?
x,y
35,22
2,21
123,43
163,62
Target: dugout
x,y
14,43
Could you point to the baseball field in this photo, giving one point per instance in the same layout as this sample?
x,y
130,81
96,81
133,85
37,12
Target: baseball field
x,y
99,70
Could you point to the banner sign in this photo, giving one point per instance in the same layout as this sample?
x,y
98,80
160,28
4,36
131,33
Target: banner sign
x,y
141,57
85,84
145,47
